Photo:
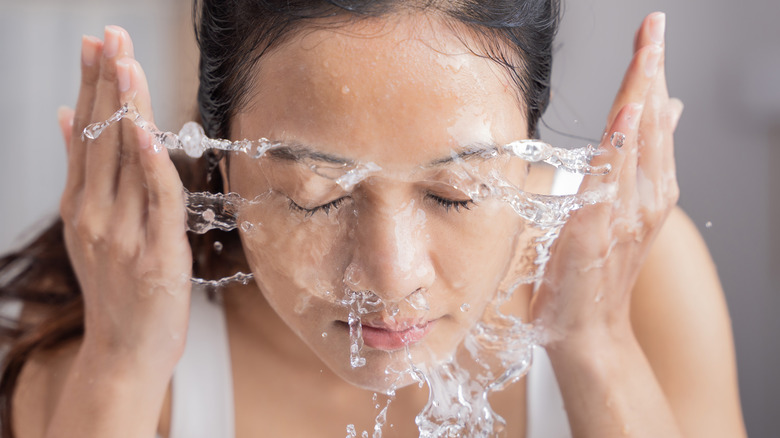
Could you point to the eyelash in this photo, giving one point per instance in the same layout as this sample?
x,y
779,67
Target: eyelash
x,y
308,212
447,204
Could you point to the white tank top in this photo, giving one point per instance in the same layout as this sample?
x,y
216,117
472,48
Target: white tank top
x,y
202,395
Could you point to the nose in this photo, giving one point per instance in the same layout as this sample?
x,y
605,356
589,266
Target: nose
x,y
391,257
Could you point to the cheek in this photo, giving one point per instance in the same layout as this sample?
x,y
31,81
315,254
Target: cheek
x,y
475,253
292,253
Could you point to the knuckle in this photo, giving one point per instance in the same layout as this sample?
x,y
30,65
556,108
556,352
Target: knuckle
x,y
67,210
89,76
89,228
88,231
128,158
123,248
108,71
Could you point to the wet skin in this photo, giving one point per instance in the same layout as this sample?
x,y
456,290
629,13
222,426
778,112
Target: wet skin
x,y
403,95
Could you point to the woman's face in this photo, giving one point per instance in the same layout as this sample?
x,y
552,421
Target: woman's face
x,y
405,95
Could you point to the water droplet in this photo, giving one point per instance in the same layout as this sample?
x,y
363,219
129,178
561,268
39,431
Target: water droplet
x,y
209,215
618,139
345,89
374,397
324,335
190,136
218,247
708,224
246,226
465,307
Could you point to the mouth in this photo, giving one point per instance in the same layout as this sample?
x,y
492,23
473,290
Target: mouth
x,y
394,338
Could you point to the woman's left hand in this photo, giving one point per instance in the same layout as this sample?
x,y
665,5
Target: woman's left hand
x,y
586,290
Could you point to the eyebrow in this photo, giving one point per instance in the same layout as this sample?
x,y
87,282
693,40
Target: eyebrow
x,y
298,152
476,150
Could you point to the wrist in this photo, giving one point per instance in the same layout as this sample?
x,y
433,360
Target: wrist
x,y
123,365
594,344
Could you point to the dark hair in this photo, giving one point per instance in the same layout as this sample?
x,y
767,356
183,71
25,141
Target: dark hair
x,y
233,35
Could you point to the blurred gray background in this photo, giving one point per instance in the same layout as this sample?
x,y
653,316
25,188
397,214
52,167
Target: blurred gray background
x,y
723,61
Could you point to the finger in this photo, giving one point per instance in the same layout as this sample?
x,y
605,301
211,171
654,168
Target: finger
x,y
65,120
618,149
166,211
131,194
651,128
651,31
640,75
91,52
104,152
674,110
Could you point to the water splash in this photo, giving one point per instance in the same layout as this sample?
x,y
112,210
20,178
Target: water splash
x,y
238,277
498,349
572,160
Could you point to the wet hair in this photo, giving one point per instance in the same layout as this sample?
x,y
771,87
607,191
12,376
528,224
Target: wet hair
x,y
233,36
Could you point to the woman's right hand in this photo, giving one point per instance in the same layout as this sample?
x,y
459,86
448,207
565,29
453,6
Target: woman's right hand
x,y
125,219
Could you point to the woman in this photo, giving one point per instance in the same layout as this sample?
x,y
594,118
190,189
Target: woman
x,y
637,331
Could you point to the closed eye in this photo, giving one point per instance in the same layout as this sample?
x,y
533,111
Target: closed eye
x,y
326,208
448,204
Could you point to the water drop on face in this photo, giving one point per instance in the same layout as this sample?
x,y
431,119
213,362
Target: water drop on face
x,y
324,335
465,307
246,226
618,139
708,224
345,89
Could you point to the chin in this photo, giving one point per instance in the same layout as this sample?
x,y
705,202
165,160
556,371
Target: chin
x,y
384,371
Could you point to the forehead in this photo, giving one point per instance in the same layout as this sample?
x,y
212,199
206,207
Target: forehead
x,y
389,91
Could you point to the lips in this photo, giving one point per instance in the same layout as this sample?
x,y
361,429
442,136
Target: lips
x,y
387,338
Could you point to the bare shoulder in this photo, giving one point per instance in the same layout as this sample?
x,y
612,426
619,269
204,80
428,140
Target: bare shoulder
x,y
39,387
681,320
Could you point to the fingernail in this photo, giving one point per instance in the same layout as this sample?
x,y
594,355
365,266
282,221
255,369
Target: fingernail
x,y
658,27
652,61
88,51
111,44
123,75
